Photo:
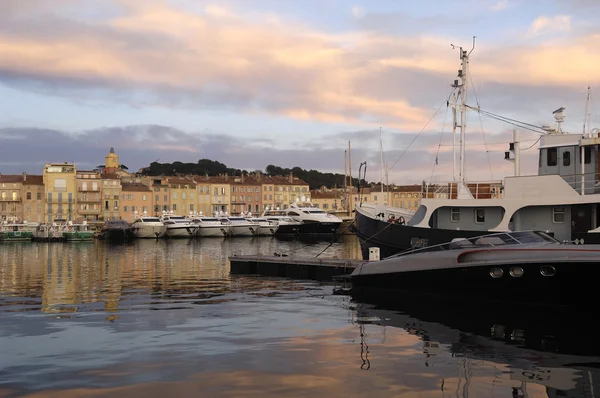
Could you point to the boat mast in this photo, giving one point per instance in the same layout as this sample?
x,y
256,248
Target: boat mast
x,y
382,165
454,125
586,122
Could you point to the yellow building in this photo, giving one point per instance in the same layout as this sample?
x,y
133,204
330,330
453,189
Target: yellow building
x,y
327,200
203,195
89,195
60,191
405,196
11,205
268,194
220,199
288,189
111,194
183,195
33,198
161,198
136,199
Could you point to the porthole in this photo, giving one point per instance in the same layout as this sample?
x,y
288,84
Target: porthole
x,y
516,272
547,270
496,272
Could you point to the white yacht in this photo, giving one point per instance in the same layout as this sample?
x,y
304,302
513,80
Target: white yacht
x,y
209,226
313,220
240,226
265,227
148,227
285,224
178,226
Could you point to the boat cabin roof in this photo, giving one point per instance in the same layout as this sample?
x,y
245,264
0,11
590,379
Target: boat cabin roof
x,y
489,240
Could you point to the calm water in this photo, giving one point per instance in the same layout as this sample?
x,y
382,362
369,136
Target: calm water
x,y
165,318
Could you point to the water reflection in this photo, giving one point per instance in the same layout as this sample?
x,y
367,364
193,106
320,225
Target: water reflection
x,y
165,318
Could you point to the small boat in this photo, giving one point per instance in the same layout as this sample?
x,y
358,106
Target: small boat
x,y
11,230
209,226
117,230
178,226
148,227
77,232
48,233
529,266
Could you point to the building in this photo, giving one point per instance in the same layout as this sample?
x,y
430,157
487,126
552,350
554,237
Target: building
x,y
60,191
183,195
405,196
288,189
268,196
203,194
33,198
111,194
11,205
136,200
220,188
89,195
245,195
161,197
327,200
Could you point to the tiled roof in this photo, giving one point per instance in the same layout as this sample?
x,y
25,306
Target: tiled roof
x,y
11,178
110,176
325,195
179,180
134,187
33,179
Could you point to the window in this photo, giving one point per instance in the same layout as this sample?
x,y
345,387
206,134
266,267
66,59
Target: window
x,y
183,195
479,216
144,197
587,155
125,209
558,215
116,204
455,214
174,195
566,158
325,206
60,185
216,191
39,196
166,197
133,209
28,195
156,199
191,207
551,157
174,207
14,195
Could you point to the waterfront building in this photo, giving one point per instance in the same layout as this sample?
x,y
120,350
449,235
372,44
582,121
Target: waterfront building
x,y
135,197
245,195
220,188
328,200
160,193
111,194
33,198
203,194
59,191
288,189
268,192
183,195
405,196
10,196
89,195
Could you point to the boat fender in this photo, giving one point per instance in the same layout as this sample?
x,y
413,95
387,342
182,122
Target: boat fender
x,y
401,220
70,228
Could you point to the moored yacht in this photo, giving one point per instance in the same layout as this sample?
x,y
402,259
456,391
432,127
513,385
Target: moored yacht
x,y
285,224
266,227
209,226
145,226
178,226
117,231
12,230
241,226
77,232
312,219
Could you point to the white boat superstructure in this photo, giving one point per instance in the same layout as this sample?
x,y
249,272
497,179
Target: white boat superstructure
x,y
266,227
209,226
285,224
148,227
178,226
313,220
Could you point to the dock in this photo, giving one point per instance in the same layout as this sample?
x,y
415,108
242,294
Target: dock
x,y
295,267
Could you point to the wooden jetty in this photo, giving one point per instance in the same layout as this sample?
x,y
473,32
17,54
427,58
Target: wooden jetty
x,y
295,267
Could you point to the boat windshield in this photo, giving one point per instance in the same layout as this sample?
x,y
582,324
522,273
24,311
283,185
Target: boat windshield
x,y
150,219
499,239
206,219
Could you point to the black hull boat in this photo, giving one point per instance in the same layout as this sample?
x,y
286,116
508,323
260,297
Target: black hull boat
x,y
317,227
117,231
528,267
286,230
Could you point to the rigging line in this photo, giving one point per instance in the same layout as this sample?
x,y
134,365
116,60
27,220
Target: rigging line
x,y
532,145
504,117
419,133
494,143
516,125
481,124
439,145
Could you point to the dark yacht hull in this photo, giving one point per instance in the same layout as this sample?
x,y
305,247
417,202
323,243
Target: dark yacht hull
x,y
569,284
286,229
315,228
118,235
394,238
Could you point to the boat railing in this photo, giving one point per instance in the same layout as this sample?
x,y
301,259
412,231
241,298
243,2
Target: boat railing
x,y
591,181
489,240
449,190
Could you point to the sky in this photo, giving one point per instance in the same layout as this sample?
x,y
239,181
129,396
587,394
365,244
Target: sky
x,y
291,83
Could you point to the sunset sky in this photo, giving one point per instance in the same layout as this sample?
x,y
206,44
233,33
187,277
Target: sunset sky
x,y
257,82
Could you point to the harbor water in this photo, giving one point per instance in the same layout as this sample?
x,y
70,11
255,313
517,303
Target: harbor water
x,y
165,318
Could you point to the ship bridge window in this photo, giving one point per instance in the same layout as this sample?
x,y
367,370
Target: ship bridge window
x,y
558,215
479,216
293,213
455,214
551,157
587,155
566,158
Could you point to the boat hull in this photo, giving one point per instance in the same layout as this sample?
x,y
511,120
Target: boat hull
x,y
317,227
266,230
149,231
287,229
571,283
118,235
242,230
213,231
16,236
180,232
78,236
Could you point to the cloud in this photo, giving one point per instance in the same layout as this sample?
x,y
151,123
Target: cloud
x,y
558,23
357,12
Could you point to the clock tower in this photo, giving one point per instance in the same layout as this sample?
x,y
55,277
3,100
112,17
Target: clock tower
x,y
112,162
